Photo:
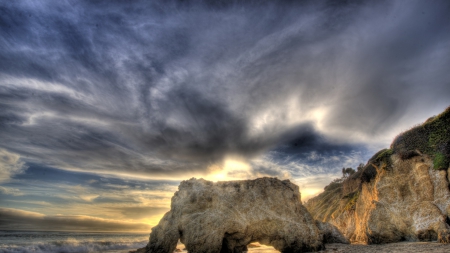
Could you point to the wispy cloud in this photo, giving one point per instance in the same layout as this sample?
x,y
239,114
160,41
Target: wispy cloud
x,y
25,220
10,191
10,165
52,191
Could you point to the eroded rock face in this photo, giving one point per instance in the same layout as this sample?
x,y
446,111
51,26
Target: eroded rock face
x,y
226,216
410,200
402,193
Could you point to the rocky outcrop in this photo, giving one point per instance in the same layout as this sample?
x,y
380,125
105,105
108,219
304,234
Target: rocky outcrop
x,y
331,233
227,216
403,192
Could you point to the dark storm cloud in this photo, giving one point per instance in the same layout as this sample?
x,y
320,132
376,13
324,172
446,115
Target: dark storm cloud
x,y
305,152
160,88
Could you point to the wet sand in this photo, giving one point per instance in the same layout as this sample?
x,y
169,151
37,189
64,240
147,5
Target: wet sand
x,y
391,247
360,248
412,247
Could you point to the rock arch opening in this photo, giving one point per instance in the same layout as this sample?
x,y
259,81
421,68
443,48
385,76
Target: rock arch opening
x,y
258,247
238,243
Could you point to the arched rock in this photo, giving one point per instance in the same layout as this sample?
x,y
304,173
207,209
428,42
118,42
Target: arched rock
x,y
226,216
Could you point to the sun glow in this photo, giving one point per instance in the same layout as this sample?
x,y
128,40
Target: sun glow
x,y
308,193
232,169
318,115
153,221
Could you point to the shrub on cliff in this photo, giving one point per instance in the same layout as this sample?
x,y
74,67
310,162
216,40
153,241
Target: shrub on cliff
x,y
336,183
431,138
351,201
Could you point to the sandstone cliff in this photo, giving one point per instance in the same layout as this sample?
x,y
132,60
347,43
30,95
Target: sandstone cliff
x,y
402,193
226,216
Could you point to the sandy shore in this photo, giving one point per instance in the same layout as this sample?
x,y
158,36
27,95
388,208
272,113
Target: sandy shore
x,y
412,247
359,248
391,247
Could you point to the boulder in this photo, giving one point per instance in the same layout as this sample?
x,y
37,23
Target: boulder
x,y
227,216
331,233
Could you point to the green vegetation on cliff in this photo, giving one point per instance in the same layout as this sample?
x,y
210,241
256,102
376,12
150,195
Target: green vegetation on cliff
x,y
351,201
431,138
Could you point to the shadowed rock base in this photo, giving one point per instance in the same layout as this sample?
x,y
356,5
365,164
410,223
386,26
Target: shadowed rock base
x,y
410,247
225,217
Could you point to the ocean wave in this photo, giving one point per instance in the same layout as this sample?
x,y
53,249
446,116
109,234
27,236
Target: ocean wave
x,y
72,246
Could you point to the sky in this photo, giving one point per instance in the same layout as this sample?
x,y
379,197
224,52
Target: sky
x,y
106,106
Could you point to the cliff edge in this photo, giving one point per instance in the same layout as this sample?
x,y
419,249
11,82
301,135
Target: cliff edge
x,y
402,193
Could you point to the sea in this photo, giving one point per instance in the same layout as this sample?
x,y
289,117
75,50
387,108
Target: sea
x,y
70,242
82,242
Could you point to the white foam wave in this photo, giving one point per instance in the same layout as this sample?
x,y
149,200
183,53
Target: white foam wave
x,y
72,246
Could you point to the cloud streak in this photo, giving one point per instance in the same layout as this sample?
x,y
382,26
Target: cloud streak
x,y
14,219
175,89
10,165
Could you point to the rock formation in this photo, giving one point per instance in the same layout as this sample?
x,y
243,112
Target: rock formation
x,y
227,216
331,233
402,193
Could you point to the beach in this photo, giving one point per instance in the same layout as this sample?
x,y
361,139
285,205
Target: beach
x,y
413,247
95,242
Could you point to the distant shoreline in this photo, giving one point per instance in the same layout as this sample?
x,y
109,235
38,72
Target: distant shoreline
x,y
76,231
